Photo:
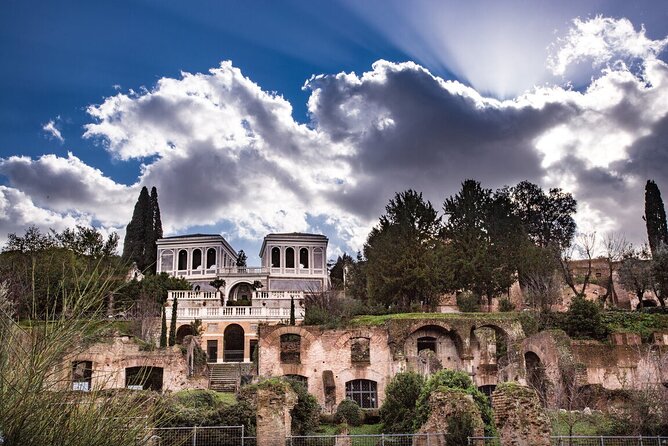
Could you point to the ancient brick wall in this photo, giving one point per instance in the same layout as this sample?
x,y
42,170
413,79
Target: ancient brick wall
x,y
519,417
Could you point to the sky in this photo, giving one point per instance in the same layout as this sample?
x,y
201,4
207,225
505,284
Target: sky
x,y
261,116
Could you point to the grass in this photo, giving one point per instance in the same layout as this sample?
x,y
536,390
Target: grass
x,y
382,319
634,322
594,424
365,429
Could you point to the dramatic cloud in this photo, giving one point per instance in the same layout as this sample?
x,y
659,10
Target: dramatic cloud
x,y
53,132
224,153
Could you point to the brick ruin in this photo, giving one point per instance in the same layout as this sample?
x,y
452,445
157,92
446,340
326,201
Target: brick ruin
x,y
519,416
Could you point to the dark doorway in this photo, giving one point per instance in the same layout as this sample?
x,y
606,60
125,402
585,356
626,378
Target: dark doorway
x,y
146,378
233,343
183,331
426,343
212,350
536,374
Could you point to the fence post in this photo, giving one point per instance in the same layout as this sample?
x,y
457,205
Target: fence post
x,y
640,438
194,435
428,441
243,435
382,439
602,441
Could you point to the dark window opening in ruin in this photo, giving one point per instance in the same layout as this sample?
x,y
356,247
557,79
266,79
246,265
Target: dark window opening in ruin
x,y
291,348
290,258
82,375
303,258
210,258
364,392
233,343
183,331
212,350
426,343
197,259
144,378
487,390
298,378
254,353
536,374
275,257
360,352
183,260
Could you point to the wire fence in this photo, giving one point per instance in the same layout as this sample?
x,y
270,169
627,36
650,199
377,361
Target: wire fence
x,y
197,436
584,441
367,440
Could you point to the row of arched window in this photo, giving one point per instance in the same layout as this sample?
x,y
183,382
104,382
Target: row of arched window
x,y
198,260
291,259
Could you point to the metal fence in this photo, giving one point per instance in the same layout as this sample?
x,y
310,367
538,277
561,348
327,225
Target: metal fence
x,y
197,436
367,440
584,441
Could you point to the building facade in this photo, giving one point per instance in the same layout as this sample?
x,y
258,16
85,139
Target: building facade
x,y
292,266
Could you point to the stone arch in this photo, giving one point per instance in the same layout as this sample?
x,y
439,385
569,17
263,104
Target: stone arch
x,y
211,258
183,331
196,259
446,348
506,365
273,339
535,374
275,259
240,290
289,257
182,262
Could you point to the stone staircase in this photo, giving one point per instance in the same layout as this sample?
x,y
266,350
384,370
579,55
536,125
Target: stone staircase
x,y
224,377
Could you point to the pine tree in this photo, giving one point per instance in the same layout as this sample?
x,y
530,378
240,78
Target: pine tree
x,y
163,330
655,218
133,246
172,326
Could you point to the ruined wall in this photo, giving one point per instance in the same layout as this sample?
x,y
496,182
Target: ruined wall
x,y
113,355
519,416
446,404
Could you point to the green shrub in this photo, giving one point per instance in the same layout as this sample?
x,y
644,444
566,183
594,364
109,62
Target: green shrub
x,y
459,430
451,379
306,413
468,302
398,410
584,320
505,305
349,412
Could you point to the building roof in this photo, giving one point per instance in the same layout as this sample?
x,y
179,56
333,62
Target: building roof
x,y
196,238
292,236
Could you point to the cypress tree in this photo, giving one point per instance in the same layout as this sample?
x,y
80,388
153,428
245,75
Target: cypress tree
x,y
133,246
655,218
163,330
172,327
292,310
153,231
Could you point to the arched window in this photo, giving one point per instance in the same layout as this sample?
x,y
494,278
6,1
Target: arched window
x,y
183,260
290,258
364,392
197,259
275,257
210,258
291,345
166,260
303,258
317,258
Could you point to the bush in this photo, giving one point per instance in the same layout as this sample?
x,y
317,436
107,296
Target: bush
x,y
401,395
459,430
451,379
584,320
505,305
349,412
468,302
306,413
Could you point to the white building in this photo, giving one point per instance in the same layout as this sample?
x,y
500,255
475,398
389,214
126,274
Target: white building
x,y
292,265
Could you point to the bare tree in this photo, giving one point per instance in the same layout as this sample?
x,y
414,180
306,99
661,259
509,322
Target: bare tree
x,y
585,248
615,246
635,273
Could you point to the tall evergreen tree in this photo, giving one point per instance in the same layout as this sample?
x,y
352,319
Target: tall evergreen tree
x,y
163,330
133,246
655,218
241,259
172,325
143,231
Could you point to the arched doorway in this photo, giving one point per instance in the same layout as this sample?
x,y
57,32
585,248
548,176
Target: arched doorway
x,y
536,374
183,331
233,343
